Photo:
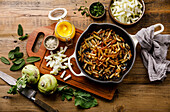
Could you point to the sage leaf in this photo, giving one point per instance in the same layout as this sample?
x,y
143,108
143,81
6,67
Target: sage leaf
x,y
12,52
20,30
4,60
18,55
15,67
23,37
33,59
18,61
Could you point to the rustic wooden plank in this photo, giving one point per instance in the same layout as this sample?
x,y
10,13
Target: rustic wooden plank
x,y
135,93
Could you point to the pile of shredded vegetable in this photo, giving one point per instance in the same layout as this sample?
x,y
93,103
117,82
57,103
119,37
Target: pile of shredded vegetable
x,y
57,61
126,11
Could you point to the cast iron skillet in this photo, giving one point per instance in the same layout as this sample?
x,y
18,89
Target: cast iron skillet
x,y
130,39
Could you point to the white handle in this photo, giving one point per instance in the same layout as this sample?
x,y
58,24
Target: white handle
x,y
69,66
60,17
134,39
159,31
155,33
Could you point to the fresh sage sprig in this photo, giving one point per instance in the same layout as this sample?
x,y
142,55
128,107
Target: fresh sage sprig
x,y
20,30
24,37
33,59
20,33
4,60
18,61
12,52
16,67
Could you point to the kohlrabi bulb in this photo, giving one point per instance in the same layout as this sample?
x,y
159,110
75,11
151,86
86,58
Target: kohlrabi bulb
x,y
32,73
47,84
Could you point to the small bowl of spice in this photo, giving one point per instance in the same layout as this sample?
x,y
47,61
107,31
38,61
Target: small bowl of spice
x,y
97,10
51,42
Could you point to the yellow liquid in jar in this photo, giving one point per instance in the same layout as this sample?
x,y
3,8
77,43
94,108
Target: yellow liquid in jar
x,y
65,29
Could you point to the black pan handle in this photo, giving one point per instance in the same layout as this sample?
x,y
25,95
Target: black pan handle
x,y
43,105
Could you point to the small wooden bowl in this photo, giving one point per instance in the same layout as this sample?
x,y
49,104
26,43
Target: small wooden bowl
x,y
94,17
110,13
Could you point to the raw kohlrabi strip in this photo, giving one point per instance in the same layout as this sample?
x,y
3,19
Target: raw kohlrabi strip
x,y
126,11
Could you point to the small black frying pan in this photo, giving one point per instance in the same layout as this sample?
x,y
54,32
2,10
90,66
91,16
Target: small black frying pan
x,y
130,39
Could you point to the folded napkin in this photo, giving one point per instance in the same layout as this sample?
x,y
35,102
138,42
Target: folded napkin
x,y
154,52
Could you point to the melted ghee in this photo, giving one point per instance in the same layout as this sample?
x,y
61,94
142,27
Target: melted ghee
x,y
64,29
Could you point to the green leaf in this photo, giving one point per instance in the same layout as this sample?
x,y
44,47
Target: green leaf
x,y
15,67
33,59
18,55
84,100
20,30
67,93
80,8
83,12
23,37
12,90
12,52
22,81
87,14
18,61
4,60
61,88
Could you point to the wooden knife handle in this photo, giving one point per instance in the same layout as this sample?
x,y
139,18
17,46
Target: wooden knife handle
x,y
44,105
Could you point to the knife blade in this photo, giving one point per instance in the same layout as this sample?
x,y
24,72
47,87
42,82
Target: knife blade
x,y
27,92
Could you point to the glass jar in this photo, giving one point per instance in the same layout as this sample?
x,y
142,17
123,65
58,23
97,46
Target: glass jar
x,y
65,31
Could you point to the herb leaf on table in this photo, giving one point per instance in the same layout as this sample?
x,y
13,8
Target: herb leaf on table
x,y
20,30
67,93
84,99
4,60
18,55
23,37
33,59
12,52
16,67
18,61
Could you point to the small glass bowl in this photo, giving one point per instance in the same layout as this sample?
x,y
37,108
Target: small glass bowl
x,y
56,42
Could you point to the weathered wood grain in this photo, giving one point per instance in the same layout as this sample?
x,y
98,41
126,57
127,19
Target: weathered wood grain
x,y
135,94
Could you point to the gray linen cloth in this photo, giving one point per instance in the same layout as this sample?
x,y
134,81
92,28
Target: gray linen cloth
x,y
154,51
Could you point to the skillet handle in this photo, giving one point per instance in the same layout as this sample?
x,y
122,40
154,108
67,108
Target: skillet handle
x,y
159,31
155,33
71,69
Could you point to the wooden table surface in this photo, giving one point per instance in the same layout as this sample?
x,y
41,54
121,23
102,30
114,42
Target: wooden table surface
x,y
135,94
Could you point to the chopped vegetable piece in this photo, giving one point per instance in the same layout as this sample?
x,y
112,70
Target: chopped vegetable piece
x,y
62,75
66,78
56,61
126,11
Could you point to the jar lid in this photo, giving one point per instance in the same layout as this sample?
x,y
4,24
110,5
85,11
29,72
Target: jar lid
x,y
57,14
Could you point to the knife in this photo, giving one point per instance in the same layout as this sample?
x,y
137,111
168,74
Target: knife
x,y
27,92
